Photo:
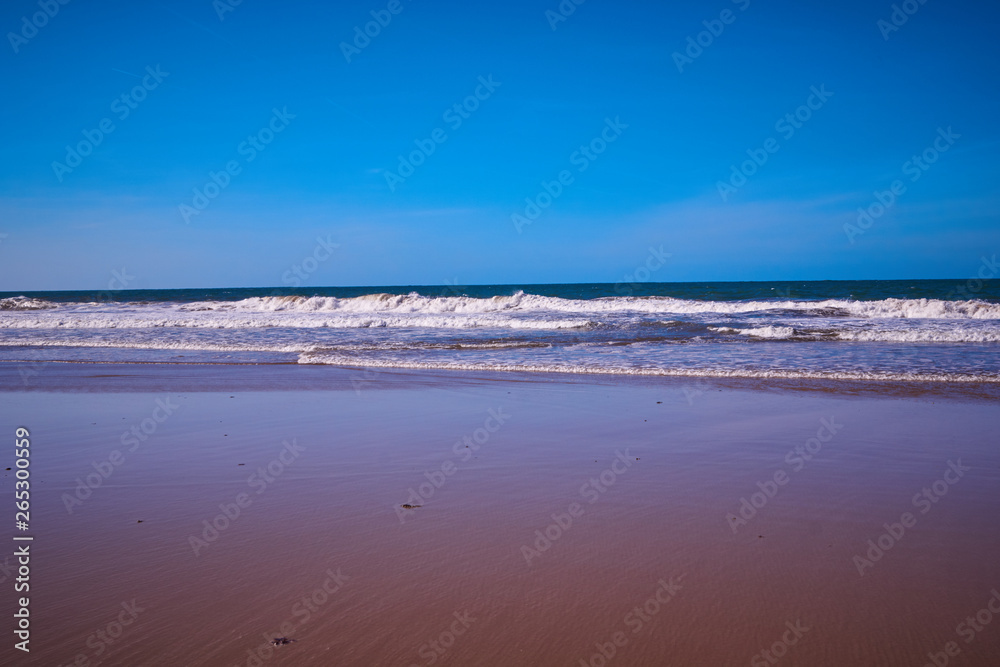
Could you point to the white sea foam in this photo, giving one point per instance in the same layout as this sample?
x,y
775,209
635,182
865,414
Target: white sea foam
x,y
136,319
958,335
25,303
339,360
519,311
533,303
768,332
758,332
938,332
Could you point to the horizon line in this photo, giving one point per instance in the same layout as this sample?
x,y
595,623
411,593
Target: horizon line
x,y
453,287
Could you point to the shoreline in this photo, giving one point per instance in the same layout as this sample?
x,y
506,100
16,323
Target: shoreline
x,y
72,376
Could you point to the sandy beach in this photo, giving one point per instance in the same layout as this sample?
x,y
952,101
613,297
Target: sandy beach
x,y
519,334
188,514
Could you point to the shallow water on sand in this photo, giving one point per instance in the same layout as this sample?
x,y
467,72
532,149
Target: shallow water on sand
x,y
635,491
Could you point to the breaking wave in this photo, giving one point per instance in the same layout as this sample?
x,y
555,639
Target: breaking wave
x,y
25,303
533,303
338,360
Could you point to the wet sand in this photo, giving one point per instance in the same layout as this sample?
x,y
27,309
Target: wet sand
x,y
559,519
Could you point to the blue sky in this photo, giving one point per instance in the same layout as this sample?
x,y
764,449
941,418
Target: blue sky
x,y
324,174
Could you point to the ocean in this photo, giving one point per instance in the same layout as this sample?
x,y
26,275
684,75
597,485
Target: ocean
x,y
899,330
